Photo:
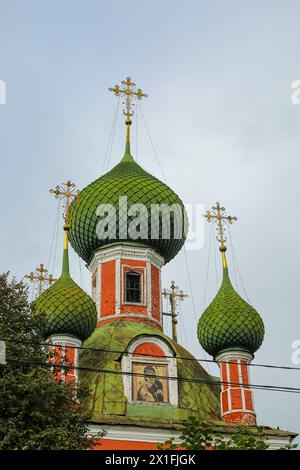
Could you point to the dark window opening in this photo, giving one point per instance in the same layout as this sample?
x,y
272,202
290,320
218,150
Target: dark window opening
x,y
133,291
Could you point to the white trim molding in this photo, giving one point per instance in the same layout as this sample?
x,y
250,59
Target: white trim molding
x,y
64,340
149,289
98,290
126,252
134,433
118,285
131,315
142,434
227,356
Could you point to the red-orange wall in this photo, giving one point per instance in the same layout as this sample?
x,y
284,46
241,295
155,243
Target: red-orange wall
x,y
155,294
113,444
108,288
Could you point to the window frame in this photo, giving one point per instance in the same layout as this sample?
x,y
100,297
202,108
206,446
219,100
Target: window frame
x,y
142,295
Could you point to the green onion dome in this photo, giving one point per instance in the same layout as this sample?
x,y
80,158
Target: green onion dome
x,y
230,323
65,308
128,179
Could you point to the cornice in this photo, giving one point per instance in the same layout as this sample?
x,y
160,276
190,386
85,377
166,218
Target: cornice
x,y
125,252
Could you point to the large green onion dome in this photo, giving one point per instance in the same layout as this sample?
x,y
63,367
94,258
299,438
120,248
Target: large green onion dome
x,y
128,179
229,322
65,308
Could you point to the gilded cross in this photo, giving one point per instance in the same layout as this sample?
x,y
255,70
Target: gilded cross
x,y
129,91
173,293
218,215
40,275
68,192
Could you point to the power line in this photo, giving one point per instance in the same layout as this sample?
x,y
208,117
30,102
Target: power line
x,y
274,388
215,257
111,137
151,142
55,229
235,263
207,269
192,295
115,351
56,238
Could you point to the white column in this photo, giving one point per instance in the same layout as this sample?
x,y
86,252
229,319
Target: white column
x,y
118,287
148,285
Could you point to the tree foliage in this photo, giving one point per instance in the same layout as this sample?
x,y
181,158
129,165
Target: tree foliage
x,y
199,435
37,411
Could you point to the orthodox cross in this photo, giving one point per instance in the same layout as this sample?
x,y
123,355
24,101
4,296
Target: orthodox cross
x,y
129,92
218,216
40,275
174,294
66,191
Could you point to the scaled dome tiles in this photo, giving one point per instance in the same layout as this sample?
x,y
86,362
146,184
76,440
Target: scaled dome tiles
x,y
126,179
229,322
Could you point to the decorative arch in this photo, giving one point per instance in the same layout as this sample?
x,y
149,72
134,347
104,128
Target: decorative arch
x,y
148,365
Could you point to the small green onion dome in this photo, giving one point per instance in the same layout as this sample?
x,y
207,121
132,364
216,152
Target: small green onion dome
x,y
230,323
65,308
128,179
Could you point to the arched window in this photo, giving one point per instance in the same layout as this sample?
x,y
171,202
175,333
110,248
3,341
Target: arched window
x,y
133,287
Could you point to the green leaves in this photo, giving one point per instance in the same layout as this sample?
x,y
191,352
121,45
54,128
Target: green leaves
x,y
36,410
201,435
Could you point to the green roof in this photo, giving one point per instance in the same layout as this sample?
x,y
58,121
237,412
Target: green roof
x,y
229,322
127,178
217,426
107,398
66,308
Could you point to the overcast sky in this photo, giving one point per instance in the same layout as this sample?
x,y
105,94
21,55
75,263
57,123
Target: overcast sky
x,y
220,114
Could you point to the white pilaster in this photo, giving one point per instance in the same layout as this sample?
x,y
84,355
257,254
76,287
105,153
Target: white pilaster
x,y
98,289
148,288
118,286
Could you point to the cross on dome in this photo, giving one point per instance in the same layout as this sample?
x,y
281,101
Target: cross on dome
x,y
218,216
40,275
129,92
173,293
68,192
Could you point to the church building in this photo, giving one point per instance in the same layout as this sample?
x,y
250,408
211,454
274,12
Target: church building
x,y
126,226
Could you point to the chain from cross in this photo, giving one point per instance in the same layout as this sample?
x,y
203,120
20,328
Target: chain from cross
x,y
40,276
218,216
68,192
174,294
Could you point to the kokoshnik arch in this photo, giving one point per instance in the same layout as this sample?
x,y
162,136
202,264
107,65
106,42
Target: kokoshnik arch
x,y
149,387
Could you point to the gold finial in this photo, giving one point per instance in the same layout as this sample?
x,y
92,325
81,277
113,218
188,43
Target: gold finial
x,y
218,215
40,276
129,92
174,293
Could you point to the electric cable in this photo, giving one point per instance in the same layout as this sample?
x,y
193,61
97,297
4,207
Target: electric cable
x,y
115,351
275,388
